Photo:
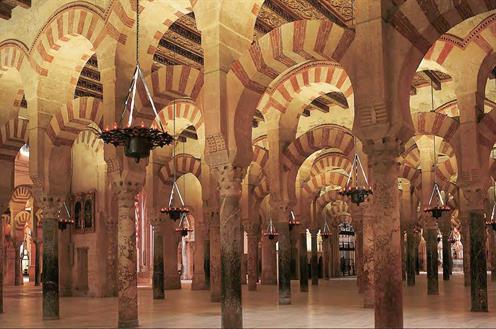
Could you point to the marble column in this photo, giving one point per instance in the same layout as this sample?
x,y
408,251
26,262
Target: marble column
x,y
215,257
253,233
403,255
417,253
303,261
284,256
171,243
410,257
314,264
445,227
111,245
478,265
430,236
37,247
50,206
465,240
158,278
231,245
126,255
335,268
492,253
384,169
357,222
199,281
18,280
269,261
368,256
294,238
326,257
206,263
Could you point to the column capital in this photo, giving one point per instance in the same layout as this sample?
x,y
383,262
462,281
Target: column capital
x,y
229,178
473,197
383,152
251,228
51,205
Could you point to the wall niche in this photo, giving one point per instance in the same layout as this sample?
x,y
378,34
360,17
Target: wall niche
x,y
83,211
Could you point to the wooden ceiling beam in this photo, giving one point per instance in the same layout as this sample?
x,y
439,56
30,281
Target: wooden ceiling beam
x,y
338,99
436,82
5,11
22,3
320,105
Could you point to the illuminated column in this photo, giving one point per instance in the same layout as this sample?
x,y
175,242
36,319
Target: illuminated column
x,y
314,262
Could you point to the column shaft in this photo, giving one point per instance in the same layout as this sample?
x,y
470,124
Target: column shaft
x,y
432,266
252,261
446,257
50,267
284,264
410,257
17,266
158,264
215,258
478,266
303,262
1,261
314,263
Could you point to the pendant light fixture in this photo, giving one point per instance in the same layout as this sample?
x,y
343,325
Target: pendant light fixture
x,y
292,220
492,220
271,232
325,232
184,228
137,139
436,202
180,212
64,221
353,190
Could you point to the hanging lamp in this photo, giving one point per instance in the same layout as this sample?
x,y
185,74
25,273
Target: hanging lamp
x,y
271,232
492,220
353,190
175,213
436,208
184,228
325,232
137,139
292,220
64,221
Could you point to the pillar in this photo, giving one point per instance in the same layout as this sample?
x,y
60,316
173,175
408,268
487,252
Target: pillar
x,y
253,233
284,256
303,261
1,256
198,281
171,243
368,256
430,236
269,259
384,168
313,260
214,256
51,206
158,263
335,268
410,257
445,227
465,240
492,253
326,257
111,245
473,209
18,280
231,245
126,256
403,255
357,217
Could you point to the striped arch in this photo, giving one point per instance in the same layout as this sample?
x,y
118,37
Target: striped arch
x,y
186,109
262,189
285,89
260,156
487,130
275,52
328,161
73,19
13,54
169,83
411,174
261,141
13,135
320,137
67,123
411,155
315,183
432,123
21,194
447,169
185,163
449,108
89,138
329,196
335,212
21,220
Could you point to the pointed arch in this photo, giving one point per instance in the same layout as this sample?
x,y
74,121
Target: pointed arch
x,y
13,135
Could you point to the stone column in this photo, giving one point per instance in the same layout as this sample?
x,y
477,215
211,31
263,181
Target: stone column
x,y
303,261
368,255
474,210
269,261
206,263
410,257
171,242
445,227
253,233
198,282
284,256
18,280
335,268
403,255
127,279
384,168
158,278
430,236
51,206
214,256
231,245
492,253
326,257
465,240
37,246
111,245
314,263
357,218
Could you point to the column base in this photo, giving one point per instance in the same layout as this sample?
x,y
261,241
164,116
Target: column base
x,y
51,317
214,299
284,301
128,323
158,295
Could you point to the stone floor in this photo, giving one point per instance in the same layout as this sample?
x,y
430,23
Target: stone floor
x,y
334,303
